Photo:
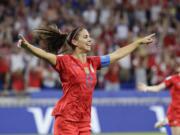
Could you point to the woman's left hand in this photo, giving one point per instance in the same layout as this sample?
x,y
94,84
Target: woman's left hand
x,y
146,40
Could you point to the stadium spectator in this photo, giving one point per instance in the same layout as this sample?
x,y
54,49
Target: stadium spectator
x,y
139,63
17,67
112,78
34,75
50,78
4,74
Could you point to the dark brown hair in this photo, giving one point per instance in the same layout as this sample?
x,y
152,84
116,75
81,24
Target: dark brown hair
x,y
56,40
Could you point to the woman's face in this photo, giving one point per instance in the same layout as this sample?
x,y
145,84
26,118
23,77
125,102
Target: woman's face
x,y
83,41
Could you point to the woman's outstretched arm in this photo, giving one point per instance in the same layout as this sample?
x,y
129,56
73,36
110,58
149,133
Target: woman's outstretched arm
x,y
121,52
51,58
155,88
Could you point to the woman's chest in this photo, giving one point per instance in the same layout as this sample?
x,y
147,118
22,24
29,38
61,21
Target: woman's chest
x,y
79,73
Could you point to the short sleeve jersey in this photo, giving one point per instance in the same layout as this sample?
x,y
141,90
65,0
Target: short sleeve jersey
x,y
77,85
173,82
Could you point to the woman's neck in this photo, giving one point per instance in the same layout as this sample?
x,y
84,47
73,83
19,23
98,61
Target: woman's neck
x,y
80,56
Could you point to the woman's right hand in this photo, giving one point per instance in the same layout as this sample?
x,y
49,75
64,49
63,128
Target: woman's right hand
x,y
22,42
142,87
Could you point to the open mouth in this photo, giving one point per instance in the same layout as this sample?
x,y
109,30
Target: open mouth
x,y
88,44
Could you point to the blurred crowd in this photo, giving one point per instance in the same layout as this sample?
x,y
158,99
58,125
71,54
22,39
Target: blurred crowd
x,y
112,24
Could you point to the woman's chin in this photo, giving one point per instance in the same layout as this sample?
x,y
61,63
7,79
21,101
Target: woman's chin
x,y
88,49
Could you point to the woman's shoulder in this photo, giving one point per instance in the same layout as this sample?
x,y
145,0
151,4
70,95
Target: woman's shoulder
x,y
63,56
174,76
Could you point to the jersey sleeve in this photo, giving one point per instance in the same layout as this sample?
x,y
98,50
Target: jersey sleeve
x,y
100,61
168,81
96,62
59,63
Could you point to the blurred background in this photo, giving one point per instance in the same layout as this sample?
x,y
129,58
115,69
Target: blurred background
x,y
29,87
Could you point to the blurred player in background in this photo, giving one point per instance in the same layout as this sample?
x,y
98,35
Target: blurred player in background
x,y
173,113
77,72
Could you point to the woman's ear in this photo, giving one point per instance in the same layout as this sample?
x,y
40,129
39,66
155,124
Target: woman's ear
x,y
74,42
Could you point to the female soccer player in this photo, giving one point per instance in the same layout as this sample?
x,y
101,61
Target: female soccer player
x,y
77,72
173,114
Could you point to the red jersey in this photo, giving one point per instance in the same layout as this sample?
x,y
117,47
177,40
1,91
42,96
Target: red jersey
x,y
173,82
78,86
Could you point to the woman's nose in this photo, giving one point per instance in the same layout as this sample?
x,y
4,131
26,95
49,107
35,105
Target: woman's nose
x,y
91,40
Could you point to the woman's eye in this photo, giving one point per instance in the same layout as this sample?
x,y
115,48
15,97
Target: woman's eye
x,y
86,36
